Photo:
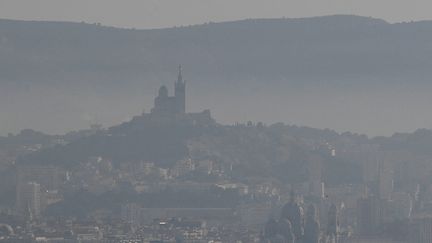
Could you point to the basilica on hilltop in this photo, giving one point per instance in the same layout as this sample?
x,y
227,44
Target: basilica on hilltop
x,y
172,110
165,104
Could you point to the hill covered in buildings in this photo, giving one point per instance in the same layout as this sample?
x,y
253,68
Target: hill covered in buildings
x,y
279,151
115,165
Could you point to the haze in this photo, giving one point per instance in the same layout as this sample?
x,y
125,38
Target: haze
x,y
234,121
341,72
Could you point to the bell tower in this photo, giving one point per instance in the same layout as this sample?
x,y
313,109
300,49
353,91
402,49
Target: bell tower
x,y
180,92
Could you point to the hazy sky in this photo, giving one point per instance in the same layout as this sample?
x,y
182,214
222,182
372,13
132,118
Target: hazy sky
x,y
163,13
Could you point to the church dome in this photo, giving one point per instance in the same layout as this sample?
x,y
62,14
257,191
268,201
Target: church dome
x,y
163,91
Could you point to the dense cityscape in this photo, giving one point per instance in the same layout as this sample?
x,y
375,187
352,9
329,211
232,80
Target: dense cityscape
x,y
174,176
203,121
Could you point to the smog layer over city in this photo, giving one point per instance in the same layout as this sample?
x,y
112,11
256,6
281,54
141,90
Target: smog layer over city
x,y
202,121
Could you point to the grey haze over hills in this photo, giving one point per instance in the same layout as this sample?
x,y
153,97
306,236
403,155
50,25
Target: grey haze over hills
x,y
341,72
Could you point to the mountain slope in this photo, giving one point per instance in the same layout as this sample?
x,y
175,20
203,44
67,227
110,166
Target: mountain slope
x,y
76,73
271,48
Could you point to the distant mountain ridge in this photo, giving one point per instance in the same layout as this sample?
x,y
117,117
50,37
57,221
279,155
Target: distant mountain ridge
x,y
74,72
309,48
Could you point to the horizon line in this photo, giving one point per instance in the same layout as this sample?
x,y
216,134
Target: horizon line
x,y
100,24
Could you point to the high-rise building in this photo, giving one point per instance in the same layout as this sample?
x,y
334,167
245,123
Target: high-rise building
x,y
32,183
47,176
28,203
333,224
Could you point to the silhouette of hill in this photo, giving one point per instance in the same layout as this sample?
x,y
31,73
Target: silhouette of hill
x,y
265,48
77,72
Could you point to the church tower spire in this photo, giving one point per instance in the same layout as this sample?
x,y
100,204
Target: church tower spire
x,y
180,92
180,76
